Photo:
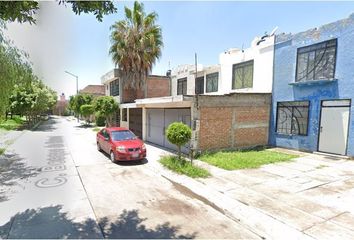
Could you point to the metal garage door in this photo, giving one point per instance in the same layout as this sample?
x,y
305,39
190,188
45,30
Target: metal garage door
x,y
159,119
135,121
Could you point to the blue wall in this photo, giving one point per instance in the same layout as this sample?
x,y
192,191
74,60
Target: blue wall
x,y
341,88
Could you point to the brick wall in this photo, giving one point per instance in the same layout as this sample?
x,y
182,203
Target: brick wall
x,y
215,127
129,95
158,86
228,122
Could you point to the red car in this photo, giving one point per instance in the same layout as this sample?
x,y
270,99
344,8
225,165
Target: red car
x,y
121,144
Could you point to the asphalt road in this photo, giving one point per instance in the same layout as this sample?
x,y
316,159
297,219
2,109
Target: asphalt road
x,y
55,184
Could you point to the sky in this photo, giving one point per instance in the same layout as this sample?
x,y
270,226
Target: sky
x,y
62,41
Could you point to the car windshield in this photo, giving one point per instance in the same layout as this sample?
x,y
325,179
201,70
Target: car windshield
x,y
123,135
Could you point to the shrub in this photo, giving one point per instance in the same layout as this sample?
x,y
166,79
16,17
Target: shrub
x,y
106,106
178,134
100,120
87,110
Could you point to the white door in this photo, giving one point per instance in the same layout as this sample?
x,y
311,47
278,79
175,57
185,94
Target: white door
x,y
155,126
334,126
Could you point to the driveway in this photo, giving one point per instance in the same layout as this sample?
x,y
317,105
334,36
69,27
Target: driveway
x,y
312,194
55,184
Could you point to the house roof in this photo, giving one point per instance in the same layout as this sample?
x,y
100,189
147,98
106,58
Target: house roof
x,y
93,89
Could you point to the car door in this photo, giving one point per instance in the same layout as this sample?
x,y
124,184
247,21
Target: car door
x,y
100,139
104,142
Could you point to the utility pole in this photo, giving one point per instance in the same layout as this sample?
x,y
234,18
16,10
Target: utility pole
x,y
77,86
77,80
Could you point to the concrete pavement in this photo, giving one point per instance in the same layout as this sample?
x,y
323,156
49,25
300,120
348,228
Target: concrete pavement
x,y
58,185
308,198
42,195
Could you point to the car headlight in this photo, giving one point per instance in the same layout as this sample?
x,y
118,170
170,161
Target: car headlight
x,y
120,149
143,147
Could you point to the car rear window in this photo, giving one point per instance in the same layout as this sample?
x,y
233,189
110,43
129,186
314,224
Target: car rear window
x,y
123,135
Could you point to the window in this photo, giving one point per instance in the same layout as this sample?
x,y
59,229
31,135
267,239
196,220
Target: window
x,y
212,82
114,88
182,86
292,117
317,61
123,135
124,115
242,75
104,134
199,85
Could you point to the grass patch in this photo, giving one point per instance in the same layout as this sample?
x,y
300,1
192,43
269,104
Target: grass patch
x,y
232,160
96,129
12,124
2,151
183,167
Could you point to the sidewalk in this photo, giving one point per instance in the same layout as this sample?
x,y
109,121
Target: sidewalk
x,y
308,198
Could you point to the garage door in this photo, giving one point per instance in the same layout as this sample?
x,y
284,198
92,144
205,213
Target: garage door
x,y
135,121
159,119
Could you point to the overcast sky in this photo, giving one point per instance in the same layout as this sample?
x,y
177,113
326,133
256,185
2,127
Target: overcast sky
x,y
63,41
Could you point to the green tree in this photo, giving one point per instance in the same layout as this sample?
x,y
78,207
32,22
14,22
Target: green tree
x,y
106,106
25,11
32,100
79,100
14,69
87,110
136,44
178,134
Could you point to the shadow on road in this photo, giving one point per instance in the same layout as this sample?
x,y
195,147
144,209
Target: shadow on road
x,y
52,222
85,126
13,168
47,125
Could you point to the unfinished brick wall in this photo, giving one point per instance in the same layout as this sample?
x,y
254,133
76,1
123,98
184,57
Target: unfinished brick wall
x,y
227,122
129,95
158,86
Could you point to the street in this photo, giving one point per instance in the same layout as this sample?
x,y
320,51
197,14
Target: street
x,y
55,184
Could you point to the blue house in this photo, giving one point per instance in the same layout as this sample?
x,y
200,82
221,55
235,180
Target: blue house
x,y
313,89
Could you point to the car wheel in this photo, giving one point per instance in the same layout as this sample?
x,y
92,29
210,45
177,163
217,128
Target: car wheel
x,y
99,147
112,157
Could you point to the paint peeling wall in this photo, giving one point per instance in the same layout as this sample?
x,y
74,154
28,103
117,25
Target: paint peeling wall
x,y
341,88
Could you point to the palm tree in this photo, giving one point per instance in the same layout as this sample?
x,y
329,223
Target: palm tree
x,y
136,45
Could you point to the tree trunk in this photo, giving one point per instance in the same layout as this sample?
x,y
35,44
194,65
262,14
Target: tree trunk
x,y
179,152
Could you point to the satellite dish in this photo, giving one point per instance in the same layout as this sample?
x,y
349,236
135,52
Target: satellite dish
x,y
273,32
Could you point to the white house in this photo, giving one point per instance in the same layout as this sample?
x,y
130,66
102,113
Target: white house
x,y
239,70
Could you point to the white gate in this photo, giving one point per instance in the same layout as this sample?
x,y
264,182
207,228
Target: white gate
x,y
333,132
158,121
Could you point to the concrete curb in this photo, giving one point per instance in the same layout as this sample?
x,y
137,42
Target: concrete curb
x,y
258,222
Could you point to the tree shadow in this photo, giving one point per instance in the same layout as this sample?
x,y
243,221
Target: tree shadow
x,y
129,225
46,125
51,222
48,222
85,125
12,169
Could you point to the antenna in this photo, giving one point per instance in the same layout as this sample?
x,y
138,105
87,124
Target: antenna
x,y
274,30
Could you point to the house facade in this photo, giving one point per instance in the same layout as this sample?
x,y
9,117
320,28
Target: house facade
x,y
313,88
129,114
226,105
